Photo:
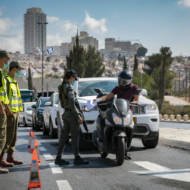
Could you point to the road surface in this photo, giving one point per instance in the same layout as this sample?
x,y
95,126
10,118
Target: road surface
x,y
163,168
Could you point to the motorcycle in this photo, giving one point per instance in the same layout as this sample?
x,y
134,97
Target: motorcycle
x,y
114,127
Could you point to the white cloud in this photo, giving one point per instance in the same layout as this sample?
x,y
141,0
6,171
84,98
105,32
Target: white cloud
x,y
69,26
5,25
13,43
185,3
94,24
52,19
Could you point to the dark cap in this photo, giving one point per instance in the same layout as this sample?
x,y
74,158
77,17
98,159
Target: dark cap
x,y
71,73
15,64
4,54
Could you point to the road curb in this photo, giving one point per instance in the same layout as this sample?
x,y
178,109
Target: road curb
x,y
175,118
175,144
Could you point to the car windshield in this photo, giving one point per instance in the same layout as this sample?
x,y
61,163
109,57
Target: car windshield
x,y
86,88
43,102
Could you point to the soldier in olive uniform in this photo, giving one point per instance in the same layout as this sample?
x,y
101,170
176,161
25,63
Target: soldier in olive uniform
x,y
72,119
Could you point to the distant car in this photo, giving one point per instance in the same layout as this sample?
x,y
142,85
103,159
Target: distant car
x,y
27,114
28,98
37,112
49,115
145,114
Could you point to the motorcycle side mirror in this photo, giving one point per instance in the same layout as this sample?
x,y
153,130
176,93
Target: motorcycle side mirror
x,y
98,91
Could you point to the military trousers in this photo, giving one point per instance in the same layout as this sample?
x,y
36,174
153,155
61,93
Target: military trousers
x,y
12,123
71,126
3,130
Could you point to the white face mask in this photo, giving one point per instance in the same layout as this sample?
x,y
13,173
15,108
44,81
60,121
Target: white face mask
x,y
20,74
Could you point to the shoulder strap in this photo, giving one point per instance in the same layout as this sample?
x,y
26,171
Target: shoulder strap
x,y
8,85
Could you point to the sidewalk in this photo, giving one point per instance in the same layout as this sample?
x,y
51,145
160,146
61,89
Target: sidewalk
x,y
176,138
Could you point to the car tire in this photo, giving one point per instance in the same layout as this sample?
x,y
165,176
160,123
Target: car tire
x,y
151,143
104,155
52,132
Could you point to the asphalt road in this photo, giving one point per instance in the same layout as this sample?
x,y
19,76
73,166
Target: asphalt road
x,y
163,168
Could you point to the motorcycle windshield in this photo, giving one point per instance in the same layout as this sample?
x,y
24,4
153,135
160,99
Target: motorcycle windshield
x,y
122,106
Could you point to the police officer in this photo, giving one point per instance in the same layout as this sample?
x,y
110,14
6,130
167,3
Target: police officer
x,y
125,90
4,111
15,104
72,119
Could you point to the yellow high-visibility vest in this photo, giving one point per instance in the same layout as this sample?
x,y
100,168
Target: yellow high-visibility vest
x,y
14,95
3,89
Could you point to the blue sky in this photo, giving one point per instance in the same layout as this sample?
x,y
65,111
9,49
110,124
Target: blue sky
x,y
154,23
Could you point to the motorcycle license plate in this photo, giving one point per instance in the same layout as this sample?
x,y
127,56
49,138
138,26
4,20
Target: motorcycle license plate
x,y
134,120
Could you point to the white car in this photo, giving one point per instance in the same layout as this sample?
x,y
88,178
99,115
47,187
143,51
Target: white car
x,y
25,117
146,114
49,116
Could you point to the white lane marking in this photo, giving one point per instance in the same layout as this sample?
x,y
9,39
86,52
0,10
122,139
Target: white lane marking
x,y
48,157
63,185
163,172
42,149
55,169
151,166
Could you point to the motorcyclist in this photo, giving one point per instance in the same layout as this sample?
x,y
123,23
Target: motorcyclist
x,y
125,90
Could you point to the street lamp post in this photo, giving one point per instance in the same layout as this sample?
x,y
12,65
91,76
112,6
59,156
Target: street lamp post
x,y
42,24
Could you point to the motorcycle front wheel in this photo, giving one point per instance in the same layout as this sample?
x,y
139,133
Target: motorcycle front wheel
x,y
120,151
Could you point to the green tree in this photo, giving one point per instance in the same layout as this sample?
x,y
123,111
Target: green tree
x,y
141,52
77,58
30,82
87,63
125,66
166,60
94,63
157,66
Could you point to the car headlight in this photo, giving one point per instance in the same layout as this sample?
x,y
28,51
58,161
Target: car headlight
x,y
151,108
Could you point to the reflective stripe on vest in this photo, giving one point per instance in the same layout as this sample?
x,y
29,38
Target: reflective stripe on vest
x,y
3,89
14,95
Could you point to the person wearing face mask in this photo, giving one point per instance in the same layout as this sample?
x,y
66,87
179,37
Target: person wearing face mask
x,y
15,104
125,90
4,111
72,119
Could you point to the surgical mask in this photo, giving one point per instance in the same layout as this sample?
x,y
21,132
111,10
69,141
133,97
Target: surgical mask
x,y
6,66
20,74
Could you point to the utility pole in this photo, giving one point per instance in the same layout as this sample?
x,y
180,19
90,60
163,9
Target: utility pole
x,y
42,24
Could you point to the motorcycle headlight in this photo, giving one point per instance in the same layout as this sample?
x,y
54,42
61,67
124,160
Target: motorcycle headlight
x,y
128,119
151,108
117,120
